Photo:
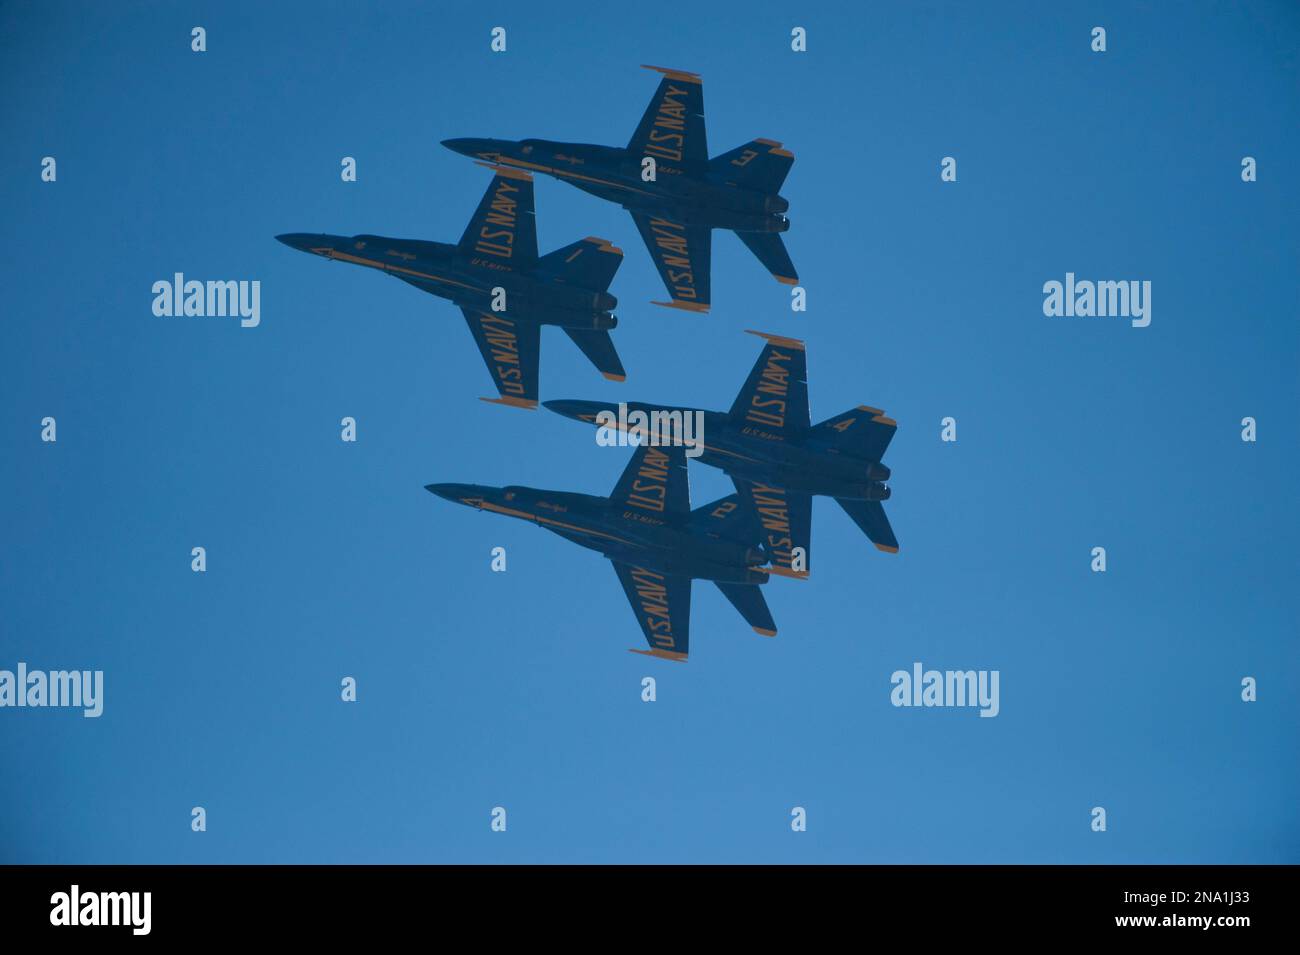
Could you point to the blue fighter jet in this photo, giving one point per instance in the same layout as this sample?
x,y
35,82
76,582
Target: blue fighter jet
x,y
676,194
506,291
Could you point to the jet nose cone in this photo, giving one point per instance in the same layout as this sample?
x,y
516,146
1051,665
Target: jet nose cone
x,y
452,492
302,241
471,495
578,410
474,148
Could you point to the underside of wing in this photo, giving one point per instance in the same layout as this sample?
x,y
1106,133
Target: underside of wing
x,y
503,230
654,484
672,129
662,605
773,404
681,255
785,524
511,350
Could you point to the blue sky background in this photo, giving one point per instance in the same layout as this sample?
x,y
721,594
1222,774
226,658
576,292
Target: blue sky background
x,y
478,689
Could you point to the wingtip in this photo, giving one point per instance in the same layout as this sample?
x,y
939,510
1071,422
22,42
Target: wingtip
x,y
764,633
609,375
778,339
512,402
684,306
886,548
660,654
684,75
786,279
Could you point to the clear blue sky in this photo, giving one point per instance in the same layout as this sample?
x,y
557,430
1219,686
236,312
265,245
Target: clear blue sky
x,y
478,689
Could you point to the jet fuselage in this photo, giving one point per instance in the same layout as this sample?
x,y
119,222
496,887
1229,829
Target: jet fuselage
x,y
468,280
811,466
703,198
631,534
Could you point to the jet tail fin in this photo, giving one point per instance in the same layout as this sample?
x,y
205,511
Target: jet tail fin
x,y
770,250
589,263
599,349
863,432
760,164
748,599
728,519
870,516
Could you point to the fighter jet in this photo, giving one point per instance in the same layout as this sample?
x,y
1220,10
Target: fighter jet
x,y
676,194
656,542
505,290
776,459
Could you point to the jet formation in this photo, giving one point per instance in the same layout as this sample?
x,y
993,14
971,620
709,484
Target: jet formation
x,y
676,194
775,457
778,460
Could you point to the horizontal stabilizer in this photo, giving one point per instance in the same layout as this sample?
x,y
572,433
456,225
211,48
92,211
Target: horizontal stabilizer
x,y
599,349
870,516
748,599
770,250
589,263
760,164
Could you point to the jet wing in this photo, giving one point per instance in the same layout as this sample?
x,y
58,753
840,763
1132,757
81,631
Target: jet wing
x,y
654,484
681,254
672,129
511,350
662,604
785,519
504,227
773,404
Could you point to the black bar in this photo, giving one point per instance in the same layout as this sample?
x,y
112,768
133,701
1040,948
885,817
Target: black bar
x,y
206,903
